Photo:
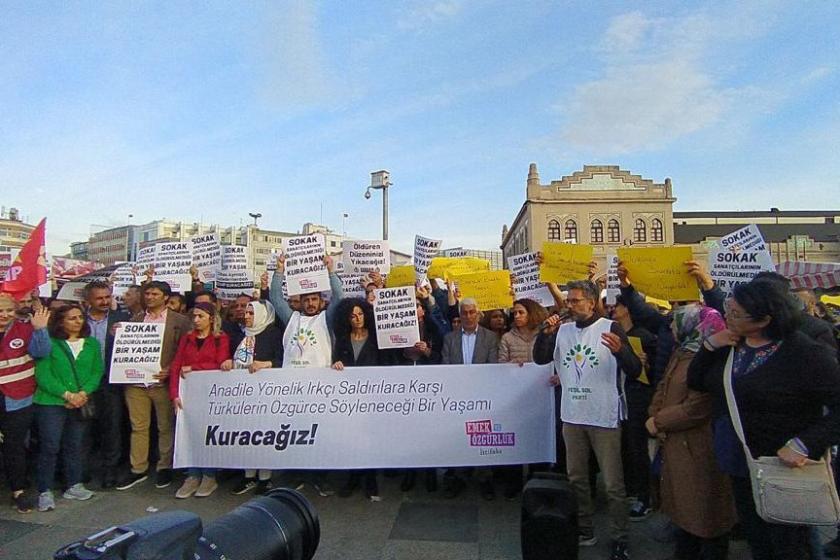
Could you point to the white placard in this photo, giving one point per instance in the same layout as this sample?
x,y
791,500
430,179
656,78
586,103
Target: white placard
x,y
123,278
351,285
613,283
395,311
366,256
305,269
367,417
173,260
456,253
146,257
738,257
207,255
526,279
425,250
136,356
234,278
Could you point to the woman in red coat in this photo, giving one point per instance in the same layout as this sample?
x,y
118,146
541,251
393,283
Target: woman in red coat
x,y
203,348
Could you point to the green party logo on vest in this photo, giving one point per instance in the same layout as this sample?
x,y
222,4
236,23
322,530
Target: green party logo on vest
x,y
580,355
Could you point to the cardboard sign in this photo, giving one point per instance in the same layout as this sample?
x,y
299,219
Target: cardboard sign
x,y
738,257
565,262
490,289
359,257
401,276
424,251
305,268
173,260
395,310
207,255
136,356
526,279
613,283
235,277
660,272
450,267
352,286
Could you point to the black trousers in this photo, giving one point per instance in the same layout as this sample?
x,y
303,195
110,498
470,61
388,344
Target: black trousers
x,y
15,426
108,423
769,541
692,547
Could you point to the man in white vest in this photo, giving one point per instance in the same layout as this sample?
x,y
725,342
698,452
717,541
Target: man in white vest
x,y
591,357
307,340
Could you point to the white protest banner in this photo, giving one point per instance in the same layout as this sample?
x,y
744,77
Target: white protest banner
x,y
367,417
425,250
305,268
455,253
395,310
136,357
613,283
122,279
352,286
366,256
75,289
526,279
738,257
146,257
207,255
173,260
234,278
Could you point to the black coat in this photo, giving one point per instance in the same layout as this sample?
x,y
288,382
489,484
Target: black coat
x,y
781,399
268,346
369,355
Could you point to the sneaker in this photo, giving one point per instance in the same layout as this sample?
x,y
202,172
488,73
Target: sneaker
x,y
164,478
46,502
208,486
22,503
263,486
188,488
619,551
244,486
298,485
78,492
323,488
133,479
372,491
639,511
586,537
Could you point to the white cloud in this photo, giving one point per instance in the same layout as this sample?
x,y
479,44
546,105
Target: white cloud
x,y
425,13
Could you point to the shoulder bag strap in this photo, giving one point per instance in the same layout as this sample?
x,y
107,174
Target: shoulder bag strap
x,y
66,349
731,404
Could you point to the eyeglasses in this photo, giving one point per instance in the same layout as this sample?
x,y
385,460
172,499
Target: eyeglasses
x,y
733,314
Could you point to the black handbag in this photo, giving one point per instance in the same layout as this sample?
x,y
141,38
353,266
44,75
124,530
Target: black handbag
x,y
88,410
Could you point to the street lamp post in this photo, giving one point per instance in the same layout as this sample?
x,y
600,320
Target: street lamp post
x,y
381,180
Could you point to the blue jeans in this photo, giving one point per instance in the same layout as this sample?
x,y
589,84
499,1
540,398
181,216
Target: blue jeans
x,y
196,472
59,429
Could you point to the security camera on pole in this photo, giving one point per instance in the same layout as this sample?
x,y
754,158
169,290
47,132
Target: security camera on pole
x,y
381,180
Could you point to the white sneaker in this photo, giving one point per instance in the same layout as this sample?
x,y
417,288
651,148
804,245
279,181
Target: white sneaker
x,y
46,502
208,486
78,492
188,488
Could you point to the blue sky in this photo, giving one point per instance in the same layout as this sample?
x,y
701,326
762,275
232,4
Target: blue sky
x,y
208,111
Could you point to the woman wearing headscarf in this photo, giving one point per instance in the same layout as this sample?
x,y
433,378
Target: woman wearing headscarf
x,y
262,347
695,494
203,348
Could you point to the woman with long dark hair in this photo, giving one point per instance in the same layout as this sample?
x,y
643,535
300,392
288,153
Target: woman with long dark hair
x,y
355,345
782,383
66,378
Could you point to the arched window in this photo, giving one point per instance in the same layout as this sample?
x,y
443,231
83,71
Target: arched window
x,y
640,231
554,231
613,231
571,231
656,231
596,231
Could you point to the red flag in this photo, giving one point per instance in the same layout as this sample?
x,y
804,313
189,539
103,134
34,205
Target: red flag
x,y
29,269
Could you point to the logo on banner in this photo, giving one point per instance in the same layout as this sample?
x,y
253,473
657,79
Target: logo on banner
x,y
398,339
307,284
16,343
135,374
580,355
483,433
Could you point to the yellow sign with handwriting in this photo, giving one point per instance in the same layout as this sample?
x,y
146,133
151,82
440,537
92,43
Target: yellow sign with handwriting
x,y
490,289
565,262
660,272
450,267
400,276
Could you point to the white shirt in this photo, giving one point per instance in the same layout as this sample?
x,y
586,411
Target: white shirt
x,y
468,345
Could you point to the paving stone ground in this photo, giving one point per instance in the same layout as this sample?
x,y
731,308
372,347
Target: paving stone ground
x,y
403,526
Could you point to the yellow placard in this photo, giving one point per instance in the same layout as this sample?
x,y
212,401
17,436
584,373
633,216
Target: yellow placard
x,y
636,345
830,300
660,272
491,289
449,267
565,262
400,276
658,302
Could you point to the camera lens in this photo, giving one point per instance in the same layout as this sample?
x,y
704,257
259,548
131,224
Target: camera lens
x,y
281,525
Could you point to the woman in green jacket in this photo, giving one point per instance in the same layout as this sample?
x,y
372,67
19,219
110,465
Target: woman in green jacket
x,y
65,378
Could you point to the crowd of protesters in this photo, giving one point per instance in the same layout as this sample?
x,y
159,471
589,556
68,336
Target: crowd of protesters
x,y
656,421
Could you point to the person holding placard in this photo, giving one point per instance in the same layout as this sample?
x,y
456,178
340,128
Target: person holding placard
x,y
66,378
355,345
142,399
20,344
203,348
261,347
591,356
